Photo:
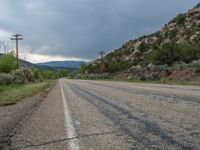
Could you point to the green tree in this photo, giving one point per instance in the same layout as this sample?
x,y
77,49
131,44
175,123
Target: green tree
x,y
144,46
180,19
198,5
166,54
171,52
7,63
83,68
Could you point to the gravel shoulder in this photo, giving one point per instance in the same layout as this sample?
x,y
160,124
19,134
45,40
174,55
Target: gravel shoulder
x,y
12,115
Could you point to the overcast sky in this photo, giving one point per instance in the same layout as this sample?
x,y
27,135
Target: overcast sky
x,y
78,29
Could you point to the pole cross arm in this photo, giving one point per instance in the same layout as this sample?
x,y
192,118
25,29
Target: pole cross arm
x,y
15,35
16,38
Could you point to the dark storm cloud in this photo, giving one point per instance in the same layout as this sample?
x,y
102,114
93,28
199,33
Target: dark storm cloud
x,y
80,28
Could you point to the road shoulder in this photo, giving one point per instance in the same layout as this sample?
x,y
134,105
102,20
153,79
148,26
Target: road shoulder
x,y
12,115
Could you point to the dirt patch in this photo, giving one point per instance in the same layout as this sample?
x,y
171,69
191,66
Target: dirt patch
x,y
181,75
12,115
176,75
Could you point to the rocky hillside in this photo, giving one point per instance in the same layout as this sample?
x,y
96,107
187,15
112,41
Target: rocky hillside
x,y
178,42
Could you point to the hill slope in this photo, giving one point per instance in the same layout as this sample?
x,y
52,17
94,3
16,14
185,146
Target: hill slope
x,y
177,42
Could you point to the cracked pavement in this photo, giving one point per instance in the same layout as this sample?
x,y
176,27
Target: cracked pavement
x,y
112,115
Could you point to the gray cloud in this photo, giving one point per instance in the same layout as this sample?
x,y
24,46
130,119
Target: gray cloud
x,y
80,28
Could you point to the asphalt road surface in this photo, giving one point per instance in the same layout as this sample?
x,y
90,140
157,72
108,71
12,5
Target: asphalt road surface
x,y
98,115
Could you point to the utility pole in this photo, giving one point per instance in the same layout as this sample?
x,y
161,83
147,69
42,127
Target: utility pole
x,y
17,37
101,53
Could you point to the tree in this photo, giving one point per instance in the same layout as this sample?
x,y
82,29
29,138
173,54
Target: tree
x,y
5,46
83,68
144,46
171,52
7,63
198,5
180,19
166,54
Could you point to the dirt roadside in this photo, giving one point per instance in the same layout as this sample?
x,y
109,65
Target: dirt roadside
x,y
12,116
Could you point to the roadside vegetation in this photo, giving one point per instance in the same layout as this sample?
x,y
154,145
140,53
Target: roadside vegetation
x,y
11,94
173,52
16,84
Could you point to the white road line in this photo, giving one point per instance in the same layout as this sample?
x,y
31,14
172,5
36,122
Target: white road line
x,y
70,131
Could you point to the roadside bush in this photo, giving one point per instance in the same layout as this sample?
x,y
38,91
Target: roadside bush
x,y
18,77
83,68
7,63
46,74
166,54
28,74
189,52
36,74
195,67
5,79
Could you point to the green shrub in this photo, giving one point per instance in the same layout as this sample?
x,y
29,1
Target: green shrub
x,y
18,77
171,52
114,67
28,74
7,63
36,74
83,68
63,73
197,69
173,33
157,34
189,52
5,79
127,51
143,47
198,5
136,61
165,55
179,19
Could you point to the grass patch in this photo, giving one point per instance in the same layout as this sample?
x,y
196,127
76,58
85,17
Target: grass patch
x,y
11,94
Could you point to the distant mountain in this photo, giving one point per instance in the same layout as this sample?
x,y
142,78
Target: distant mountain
x,y
27,64
63,64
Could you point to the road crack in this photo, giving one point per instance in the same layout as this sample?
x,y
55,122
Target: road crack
x,y
61,140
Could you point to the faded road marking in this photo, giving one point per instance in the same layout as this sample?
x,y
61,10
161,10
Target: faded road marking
x,y
70,131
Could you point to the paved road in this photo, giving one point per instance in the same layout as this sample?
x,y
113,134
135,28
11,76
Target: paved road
x,y
98,115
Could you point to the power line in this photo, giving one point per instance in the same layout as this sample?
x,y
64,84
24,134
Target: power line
x,y
6,27
17,37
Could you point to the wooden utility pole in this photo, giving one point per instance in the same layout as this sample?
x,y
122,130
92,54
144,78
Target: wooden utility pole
x,y
101,53
17,37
